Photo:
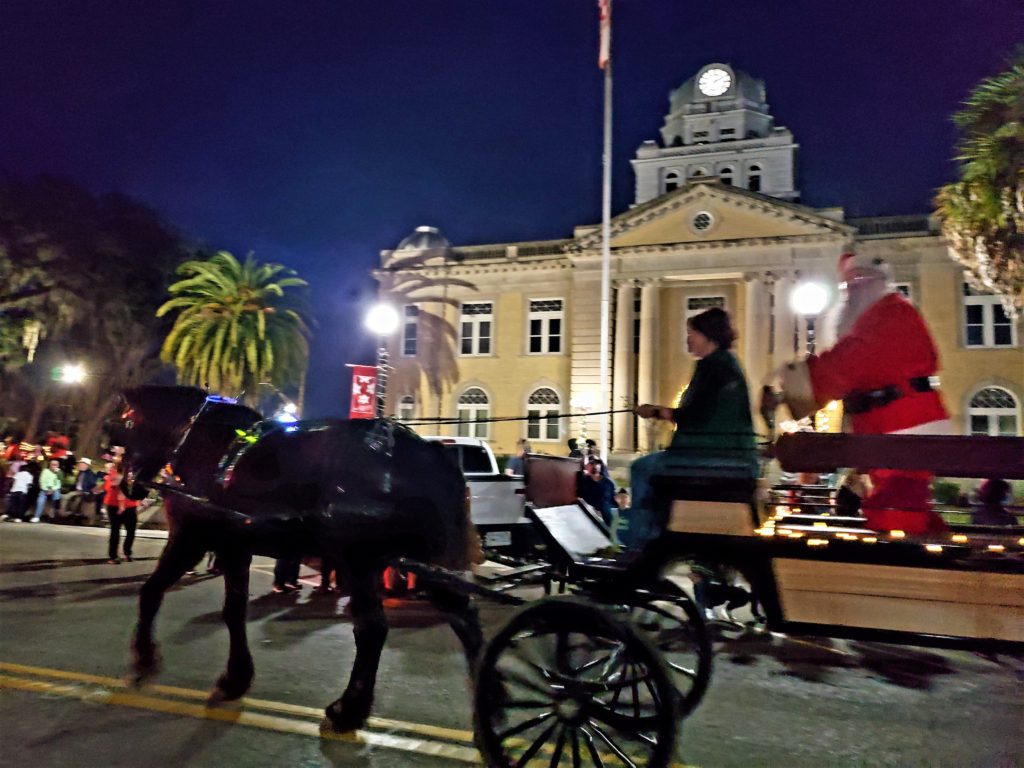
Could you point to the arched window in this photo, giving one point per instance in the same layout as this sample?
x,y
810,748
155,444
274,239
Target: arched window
x,y
726,174
671,181
542,410
698,172
473,406
407,408
754,178
994,411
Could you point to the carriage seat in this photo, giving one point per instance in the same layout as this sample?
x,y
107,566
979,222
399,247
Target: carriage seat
x,y
719,499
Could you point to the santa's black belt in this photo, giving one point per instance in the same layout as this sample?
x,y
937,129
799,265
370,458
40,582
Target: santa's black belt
x,y
864,400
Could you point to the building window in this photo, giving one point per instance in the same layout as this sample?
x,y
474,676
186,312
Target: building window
x,y
545,325
474,406
410,330
476,321
542,411
671,181
727,134
994,411
697,304
703,221
407,408
700,134
698,172
986,323
754,178
726,175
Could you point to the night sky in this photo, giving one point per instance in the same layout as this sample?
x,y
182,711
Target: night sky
x,y
317,132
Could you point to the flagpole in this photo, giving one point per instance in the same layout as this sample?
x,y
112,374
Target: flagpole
x,y
606,214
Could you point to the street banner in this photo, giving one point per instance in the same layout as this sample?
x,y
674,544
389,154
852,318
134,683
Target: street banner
x,y
364,392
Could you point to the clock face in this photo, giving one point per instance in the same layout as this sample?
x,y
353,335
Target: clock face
x,y
714,82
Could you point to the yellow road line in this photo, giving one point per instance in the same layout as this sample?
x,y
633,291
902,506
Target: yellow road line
x,y
241,717
236,712
381,723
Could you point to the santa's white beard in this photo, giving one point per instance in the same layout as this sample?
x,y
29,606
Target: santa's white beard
x,y
857,298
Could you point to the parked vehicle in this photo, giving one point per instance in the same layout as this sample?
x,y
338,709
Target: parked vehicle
x,y
497,500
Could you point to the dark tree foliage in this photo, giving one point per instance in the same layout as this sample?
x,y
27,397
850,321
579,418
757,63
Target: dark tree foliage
x,y
87,272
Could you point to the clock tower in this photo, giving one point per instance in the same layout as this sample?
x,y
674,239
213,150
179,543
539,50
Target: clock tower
x,y
718,125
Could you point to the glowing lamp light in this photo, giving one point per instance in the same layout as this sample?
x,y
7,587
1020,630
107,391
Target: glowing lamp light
x,y
72,373
382,319
809,299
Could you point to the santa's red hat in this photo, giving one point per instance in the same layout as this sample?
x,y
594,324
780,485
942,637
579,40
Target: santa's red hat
x,y
855,265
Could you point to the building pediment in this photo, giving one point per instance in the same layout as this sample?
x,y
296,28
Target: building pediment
x,y
708,211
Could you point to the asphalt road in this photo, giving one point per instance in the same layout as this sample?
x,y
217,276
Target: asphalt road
x,y
66,617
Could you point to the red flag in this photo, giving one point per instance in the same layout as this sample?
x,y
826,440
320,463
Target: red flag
x,y
364,392
605,51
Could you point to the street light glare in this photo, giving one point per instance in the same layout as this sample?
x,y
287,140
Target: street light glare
x,y
382,319
72,373
809,299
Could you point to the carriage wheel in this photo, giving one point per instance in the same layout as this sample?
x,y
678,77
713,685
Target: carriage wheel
x,y
673,624
564,683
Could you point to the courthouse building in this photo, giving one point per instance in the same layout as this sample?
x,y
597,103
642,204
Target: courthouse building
x,y
717,221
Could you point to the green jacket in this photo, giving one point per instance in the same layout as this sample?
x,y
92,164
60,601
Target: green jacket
x,y
713,423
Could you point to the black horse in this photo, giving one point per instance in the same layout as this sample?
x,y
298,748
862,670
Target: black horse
x,y
359,492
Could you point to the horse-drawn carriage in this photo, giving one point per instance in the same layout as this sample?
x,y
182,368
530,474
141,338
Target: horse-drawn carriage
x,y
602,675
609,672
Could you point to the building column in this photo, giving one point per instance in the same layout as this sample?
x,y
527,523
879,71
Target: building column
x,y
756,330
647,373
783,349
623,383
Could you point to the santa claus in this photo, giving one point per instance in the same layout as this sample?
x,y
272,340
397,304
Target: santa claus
x,y
881,368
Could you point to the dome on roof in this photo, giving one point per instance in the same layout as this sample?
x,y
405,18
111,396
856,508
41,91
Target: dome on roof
x,y
424,239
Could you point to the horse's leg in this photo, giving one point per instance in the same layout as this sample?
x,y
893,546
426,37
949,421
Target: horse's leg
x,y
464,619
370,627
237,677
181,553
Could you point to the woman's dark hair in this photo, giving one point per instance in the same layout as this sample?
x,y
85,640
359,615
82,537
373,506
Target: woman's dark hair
x,y
716,325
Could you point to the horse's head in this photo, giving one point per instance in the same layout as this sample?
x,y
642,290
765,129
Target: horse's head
x,y
155,420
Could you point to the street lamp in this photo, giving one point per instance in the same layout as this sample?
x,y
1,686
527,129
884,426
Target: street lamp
x,y
72,373
809,299
382,319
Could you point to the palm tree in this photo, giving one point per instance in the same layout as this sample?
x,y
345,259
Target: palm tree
x,y
238,325
419,279
983,213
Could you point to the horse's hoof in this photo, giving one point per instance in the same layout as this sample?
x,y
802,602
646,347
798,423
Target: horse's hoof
x,y
229,689
343,719
145,666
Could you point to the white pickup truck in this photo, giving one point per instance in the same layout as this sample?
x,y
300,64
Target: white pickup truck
x,y
497,500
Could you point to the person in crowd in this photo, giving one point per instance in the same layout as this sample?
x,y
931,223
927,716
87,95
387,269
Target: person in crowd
x,y
621,498
713,422
50,481
81,493
886,387
596,489
991,507
286,574
99,490
34,465
124,512
574,449
516,466
16,499
111,503
854,486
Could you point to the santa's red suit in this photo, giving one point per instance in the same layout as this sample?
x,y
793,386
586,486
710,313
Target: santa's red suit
x,y
880,369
